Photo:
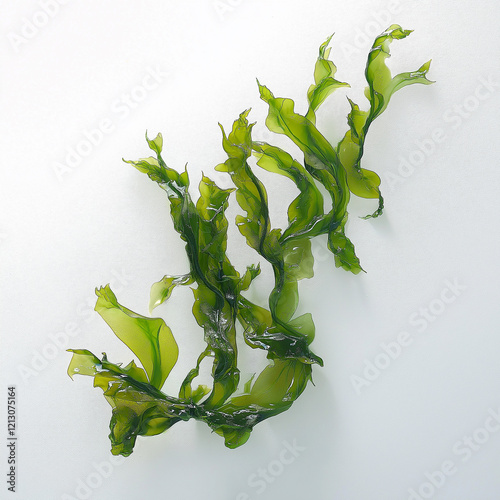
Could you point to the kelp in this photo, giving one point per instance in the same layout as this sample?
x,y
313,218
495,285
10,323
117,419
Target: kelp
x,y
232,407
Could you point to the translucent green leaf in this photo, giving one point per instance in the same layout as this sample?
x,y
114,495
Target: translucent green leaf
x,y
250,192
150,339
83,362
362,182
156,144
166,177
343,250
299,260
305,325
262,333
324,81
275,389
281,381
306,210
381,86
282,119
250,274
273,392
162,290
211,208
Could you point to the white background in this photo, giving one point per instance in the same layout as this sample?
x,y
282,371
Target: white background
x,y
64,232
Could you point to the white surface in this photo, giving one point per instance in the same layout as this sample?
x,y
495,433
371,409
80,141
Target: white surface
x,y
105,222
